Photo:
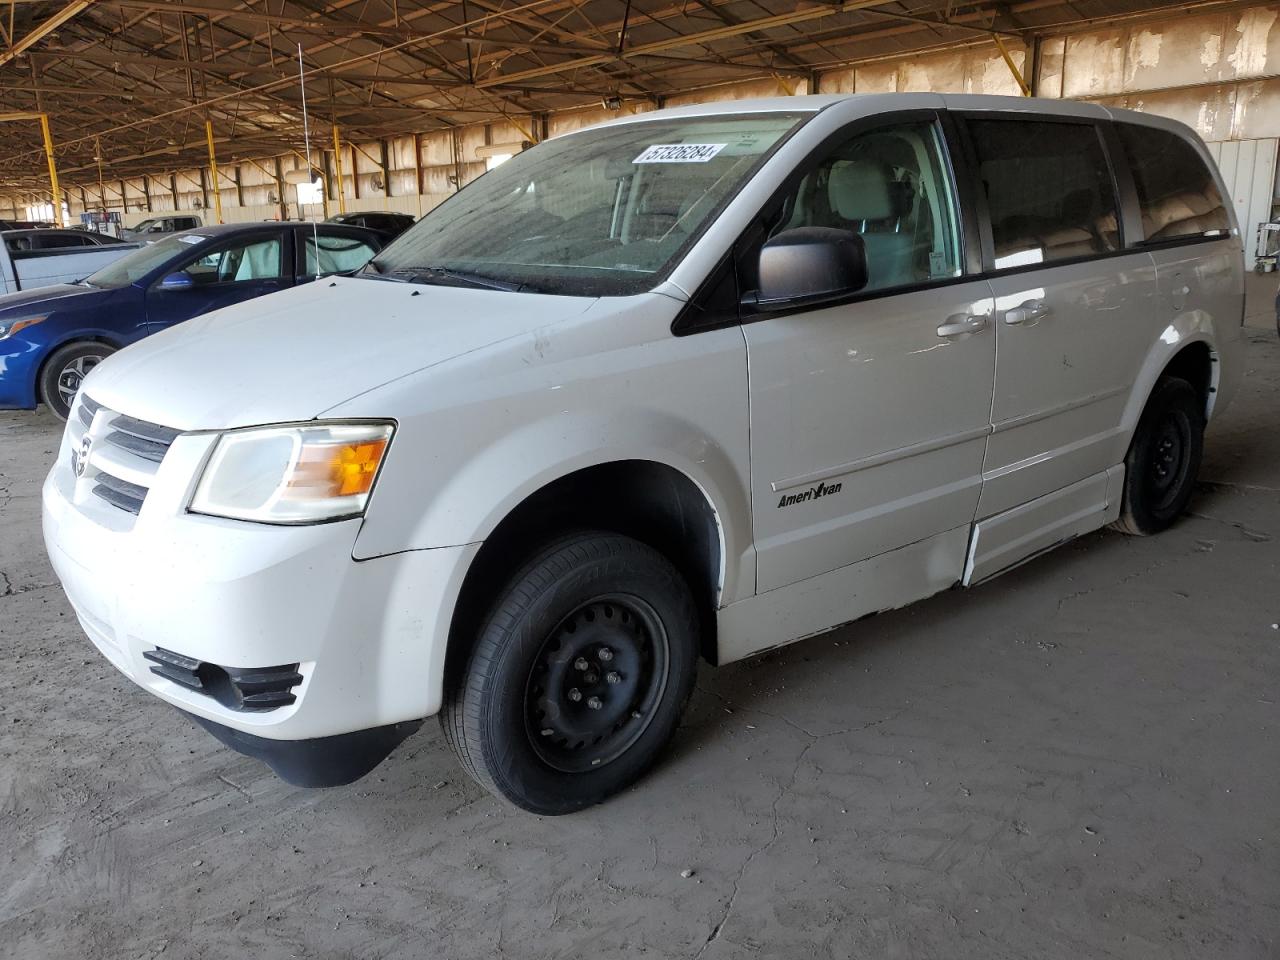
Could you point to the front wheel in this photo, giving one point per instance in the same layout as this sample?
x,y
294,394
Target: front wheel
x,y
65,370
579,676
1163,458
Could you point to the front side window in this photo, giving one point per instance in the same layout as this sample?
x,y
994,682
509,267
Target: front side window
x,y
332,254
892,187
257,259
604,212
1049,190
1176,192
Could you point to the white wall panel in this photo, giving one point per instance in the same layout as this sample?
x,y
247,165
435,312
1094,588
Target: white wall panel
x,y
1249,171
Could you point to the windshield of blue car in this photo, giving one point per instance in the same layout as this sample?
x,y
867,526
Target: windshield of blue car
x,y
132,267
605,212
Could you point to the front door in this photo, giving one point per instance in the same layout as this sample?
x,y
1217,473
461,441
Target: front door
x,y
219,276
869,419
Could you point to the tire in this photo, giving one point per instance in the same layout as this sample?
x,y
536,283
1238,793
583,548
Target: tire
x,y
65,370
1163,459
578,677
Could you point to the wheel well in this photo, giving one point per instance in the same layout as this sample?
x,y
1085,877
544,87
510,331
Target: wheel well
x,y
648,501
65,343
1194,364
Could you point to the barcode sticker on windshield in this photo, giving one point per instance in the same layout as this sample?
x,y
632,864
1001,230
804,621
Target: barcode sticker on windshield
x,y
679,152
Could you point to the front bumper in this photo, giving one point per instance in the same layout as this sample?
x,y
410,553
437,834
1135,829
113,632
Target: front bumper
x,y
320,762
368,636
19,362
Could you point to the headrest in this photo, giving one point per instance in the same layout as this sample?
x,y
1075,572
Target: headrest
x,y
664,197
859,190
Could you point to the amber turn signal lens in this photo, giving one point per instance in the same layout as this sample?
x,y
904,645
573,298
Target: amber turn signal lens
x,y
336,469
355,466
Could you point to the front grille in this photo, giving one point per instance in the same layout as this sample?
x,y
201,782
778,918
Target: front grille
x,y
120,493
138,448
236,688
88,408
147,440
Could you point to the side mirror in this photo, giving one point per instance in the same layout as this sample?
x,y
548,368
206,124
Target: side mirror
x,y
810,265
177,281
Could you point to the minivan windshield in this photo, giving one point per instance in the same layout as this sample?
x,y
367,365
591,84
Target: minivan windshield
x,y
134,266
605,212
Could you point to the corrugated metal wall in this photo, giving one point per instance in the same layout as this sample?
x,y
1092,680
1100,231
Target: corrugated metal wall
x,y
1249,170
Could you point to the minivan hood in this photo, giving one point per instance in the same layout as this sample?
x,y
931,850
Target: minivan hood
x,y
291,355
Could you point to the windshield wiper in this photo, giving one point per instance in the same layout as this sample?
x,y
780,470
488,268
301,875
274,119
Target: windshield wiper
x,y
427,274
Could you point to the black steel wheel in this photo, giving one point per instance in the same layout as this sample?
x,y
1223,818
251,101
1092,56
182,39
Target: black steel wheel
x,y
596,683
1163,458
64,372
578,676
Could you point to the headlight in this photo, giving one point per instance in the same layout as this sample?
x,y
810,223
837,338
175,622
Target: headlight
x,y
9,327
302,474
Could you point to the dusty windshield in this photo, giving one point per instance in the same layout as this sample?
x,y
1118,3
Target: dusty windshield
x,y
601,213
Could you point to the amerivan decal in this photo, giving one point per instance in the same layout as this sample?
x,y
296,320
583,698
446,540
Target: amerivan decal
x,y
813,493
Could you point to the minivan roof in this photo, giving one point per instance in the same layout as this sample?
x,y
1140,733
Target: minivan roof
x,y
813,103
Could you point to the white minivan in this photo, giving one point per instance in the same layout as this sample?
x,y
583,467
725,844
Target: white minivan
x,y
698,382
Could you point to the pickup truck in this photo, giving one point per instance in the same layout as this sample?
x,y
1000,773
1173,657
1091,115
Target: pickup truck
x,y
44,264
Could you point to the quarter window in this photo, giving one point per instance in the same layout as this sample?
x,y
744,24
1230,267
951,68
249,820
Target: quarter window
x,y
1176,192
1049,190
891,186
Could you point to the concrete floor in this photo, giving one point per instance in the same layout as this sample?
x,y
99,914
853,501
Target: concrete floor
x,y
1078,760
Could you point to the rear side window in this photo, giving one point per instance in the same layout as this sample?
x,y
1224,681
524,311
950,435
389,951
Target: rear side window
x,y
53,241
1049,190
332,254
1176,191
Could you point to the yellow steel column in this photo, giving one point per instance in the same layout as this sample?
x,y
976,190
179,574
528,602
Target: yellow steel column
x,y
337,159
213,169
53,170
1013,67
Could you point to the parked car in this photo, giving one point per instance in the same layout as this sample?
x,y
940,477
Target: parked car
x,y
390,225
701,381
21,241
25,225
156,228
34,258
50,338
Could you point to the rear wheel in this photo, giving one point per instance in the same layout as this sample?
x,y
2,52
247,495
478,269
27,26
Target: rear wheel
x,y
578,677
65,370
1163,459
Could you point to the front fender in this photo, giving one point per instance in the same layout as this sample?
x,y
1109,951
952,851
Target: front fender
x,y
497,425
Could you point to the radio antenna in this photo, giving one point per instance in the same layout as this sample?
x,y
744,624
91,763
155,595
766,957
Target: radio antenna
x,y
306,136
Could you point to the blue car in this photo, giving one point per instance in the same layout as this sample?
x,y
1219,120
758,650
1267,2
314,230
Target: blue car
x,y
52,336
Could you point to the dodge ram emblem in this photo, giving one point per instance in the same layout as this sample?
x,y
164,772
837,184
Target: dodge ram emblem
x,y
80,458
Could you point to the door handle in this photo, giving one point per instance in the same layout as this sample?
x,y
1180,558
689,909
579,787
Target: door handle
x,y
1032,311
959,324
